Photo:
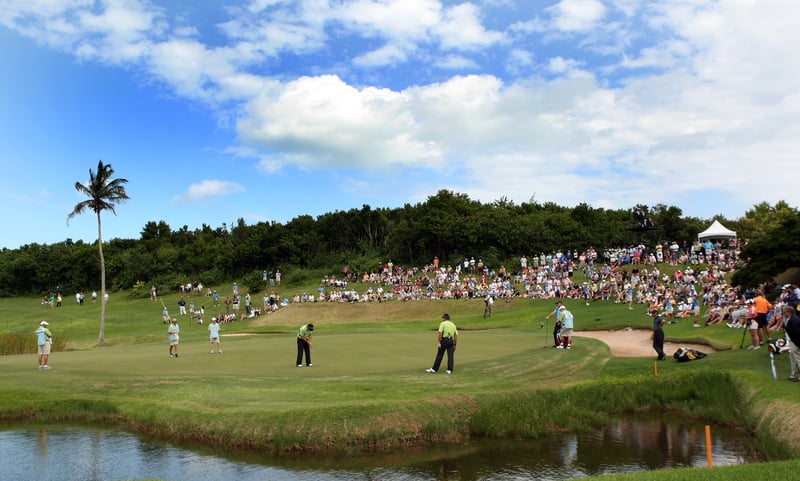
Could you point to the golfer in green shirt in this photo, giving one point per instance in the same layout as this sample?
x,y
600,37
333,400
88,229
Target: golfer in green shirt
x,y
304,344
447,340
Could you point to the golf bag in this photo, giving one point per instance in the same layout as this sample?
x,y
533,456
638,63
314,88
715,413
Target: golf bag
x,y
557,333
684,354
778,346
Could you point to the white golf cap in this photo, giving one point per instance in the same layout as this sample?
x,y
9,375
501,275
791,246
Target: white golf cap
x,y
44,323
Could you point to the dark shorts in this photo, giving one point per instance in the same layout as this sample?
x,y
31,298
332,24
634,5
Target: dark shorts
x,y
761,319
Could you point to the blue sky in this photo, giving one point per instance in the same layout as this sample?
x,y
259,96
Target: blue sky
x,y
269,109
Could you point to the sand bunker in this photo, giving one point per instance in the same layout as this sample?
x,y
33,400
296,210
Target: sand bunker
x,y
636,342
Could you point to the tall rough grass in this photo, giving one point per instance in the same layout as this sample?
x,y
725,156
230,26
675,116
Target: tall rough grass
x,y
12,343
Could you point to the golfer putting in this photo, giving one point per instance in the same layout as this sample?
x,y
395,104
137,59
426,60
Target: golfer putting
x,y
446,342
304,335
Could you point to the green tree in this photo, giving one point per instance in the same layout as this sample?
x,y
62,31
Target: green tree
x,y
103,193
762,218
770,254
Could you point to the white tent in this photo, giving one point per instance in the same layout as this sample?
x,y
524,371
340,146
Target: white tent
x,y
716,231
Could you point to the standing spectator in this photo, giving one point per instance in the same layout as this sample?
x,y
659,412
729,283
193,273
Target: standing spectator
x,y
304,335
669,308
793,333
557,327
213,330
94,297
44,339
235,289
446,342
182,307
789,296
695,309
165,315
173,334
658,333
567,322
752,325
763,306
489,301
278,277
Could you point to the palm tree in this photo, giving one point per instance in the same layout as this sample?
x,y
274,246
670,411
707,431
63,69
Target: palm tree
x,y
104,193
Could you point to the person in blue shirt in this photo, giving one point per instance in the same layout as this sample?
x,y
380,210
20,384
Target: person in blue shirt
x,y
696,311
173,334
44,339
213,331
557,327
566,328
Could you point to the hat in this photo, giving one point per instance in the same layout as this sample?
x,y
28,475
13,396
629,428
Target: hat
x,y
446,316
44,323
311,327
786,286
213,319
562,308
749,301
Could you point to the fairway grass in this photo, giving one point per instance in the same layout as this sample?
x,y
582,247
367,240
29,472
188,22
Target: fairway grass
x,y
368,389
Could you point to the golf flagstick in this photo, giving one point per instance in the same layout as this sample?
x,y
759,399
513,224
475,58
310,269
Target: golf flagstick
x,y
772,364
546,333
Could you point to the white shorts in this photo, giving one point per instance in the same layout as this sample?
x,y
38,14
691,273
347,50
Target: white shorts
x,y
44,349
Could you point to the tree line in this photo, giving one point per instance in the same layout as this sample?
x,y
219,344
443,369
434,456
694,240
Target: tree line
x,y
447,225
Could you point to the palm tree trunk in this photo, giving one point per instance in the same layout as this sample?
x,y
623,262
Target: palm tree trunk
x,y
102,339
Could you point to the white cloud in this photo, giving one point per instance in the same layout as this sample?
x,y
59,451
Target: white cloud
x,y
322,121
519,61
694,93
457,62
208,188
461,29
403,21
577,15
386,55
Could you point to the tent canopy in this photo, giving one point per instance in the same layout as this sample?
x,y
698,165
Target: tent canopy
x,y
716,231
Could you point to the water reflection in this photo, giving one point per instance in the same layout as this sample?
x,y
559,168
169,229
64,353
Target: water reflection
x,y
86,454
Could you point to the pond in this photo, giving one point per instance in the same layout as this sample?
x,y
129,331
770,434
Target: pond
x,y
90,454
